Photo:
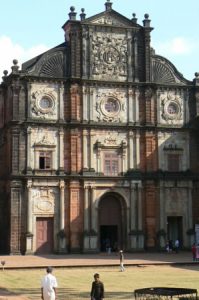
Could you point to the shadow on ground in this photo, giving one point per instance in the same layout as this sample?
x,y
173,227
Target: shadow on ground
x,y
69,294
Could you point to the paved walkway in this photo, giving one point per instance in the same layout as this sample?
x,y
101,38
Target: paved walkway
x,y
84,260
88,260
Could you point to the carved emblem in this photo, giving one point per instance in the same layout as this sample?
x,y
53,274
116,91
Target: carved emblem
x,y
109,56
111,139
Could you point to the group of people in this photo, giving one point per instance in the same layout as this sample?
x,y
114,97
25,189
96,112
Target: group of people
x,y
170,247
49,287
49,283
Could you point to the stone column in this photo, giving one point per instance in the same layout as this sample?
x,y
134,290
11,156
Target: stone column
x,y
140,217
137,118
28,151
133,199
94,221
61,102
139,206
131,108
190,212
136,71
29,101
62,206
84,51
91,104
61,151
124,160
62,233
29,234
92,134
129,49
16,217
131,150
162,208
85,104
85,149
137,150
162,216
133,215
86,209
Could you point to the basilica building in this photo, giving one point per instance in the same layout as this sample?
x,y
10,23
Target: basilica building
x,y
98,143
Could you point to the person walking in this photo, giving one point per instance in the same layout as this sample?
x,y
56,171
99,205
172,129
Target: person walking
x,y
49,285
121,254
97,289
193,250
177,245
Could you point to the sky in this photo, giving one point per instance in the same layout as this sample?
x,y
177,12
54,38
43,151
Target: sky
x,y
30,27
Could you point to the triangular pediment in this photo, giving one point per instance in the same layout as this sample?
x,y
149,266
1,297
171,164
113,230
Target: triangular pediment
x,y
111,18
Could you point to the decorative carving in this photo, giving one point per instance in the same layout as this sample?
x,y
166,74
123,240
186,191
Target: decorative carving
x,y
171,107
43,103
110,106
109,56
44,200
53,67
148,93
111,20
111,139
45,141
163,71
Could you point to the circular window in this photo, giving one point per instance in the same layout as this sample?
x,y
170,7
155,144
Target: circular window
x,y
172,108
111,105
45,103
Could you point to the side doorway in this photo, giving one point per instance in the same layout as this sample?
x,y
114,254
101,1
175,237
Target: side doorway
x,y
174,229
44,235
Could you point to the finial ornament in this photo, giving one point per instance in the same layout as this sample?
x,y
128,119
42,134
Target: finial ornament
x,y
108,5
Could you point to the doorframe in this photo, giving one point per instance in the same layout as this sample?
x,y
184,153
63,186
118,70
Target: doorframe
x,y
123,222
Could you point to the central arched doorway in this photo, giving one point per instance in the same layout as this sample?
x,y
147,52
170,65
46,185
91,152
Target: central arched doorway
x,y
111,222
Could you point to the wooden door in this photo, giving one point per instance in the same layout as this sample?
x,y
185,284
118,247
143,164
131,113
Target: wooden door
x,y
44,231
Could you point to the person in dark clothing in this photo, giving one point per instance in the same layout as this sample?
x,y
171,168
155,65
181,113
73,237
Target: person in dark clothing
x,y
97,289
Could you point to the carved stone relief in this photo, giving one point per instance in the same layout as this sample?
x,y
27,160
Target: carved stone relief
x,y
43,102
110,20
44,137
110,106
109,56
110,138
43,200
171,108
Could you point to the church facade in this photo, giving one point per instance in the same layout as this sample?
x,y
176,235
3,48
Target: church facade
x,y
98,144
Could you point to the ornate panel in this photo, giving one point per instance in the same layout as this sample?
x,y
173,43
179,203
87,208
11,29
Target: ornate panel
x,y
109,56
43,200
43,139
43,102
110,106
171,108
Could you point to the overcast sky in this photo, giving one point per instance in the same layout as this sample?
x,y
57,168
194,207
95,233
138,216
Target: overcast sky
x,y
30,27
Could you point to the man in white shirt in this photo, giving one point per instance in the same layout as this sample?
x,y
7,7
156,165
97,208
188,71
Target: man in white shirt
x,y
48,285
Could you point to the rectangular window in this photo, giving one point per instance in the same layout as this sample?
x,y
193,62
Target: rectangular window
x,y
111,164
45,159
173,162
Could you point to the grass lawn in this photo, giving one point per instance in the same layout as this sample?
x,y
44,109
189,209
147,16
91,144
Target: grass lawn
x,y
75,283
